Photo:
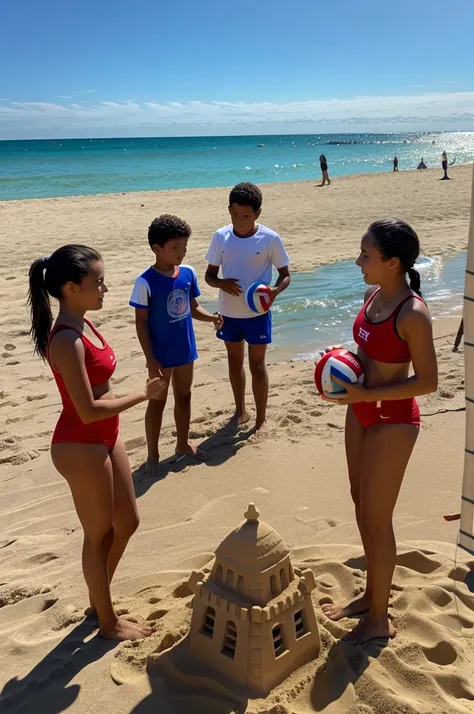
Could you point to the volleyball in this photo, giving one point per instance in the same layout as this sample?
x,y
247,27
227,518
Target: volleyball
x,y
337,363
259,297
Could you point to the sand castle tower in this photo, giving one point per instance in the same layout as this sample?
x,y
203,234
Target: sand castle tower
x,y
253,621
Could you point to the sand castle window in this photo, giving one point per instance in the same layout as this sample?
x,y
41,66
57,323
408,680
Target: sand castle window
x,y
209,622
230,640
300,624
230,578
273,586
219,573
278,643
283,579
240,583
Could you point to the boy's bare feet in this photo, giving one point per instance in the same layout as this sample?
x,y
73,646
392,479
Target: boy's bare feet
x,y
241,417
336,611
192,451
153,468
371,629
123,630
262,428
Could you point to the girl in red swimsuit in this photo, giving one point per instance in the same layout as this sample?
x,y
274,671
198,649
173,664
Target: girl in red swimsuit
x,y
392,330
86,448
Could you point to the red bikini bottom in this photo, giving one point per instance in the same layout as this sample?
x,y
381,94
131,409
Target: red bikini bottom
x,y
396,411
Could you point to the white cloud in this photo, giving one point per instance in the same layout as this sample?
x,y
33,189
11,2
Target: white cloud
x,y
89,91
64,96
106,118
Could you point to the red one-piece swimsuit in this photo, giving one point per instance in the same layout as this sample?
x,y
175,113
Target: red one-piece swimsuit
x,y
100,365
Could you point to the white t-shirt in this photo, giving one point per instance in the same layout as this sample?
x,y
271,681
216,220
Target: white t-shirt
x,y
247,259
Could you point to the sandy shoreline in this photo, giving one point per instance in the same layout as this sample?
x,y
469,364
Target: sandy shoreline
x,y
297,476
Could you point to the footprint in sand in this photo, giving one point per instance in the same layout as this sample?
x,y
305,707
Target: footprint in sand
x,y
22,458
135,443
119,380
41,558
443,653
182,591
11,596
157,614
35,397
9,347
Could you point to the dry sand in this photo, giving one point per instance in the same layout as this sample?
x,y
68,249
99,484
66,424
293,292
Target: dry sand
x,y
50,657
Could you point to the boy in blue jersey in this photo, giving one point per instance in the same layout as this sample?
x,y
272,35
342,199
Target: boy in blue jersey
x,y
164,298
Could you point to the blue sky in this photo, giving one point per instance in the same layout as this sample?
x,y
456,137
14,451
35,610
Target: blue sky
x,y
255,66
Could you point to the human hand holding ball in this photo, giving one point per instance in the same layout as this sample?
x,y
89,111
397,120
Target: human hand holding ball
x,y
339,377
259,297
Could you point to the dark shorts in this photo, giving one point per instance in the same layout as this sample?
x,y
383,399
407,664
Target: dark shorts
x,y
254,330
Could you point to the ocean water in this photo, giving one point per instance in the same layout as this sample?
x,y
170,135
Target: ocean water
x,y
67,167
319,307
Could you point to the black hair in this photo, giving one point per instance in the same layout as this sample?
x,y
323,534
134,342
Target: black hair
x,y
166,228
323,158
396,239
246,194
69,264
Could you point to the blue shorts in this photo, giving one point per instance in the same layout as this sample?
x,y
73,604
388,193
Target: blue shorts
x,y
254,330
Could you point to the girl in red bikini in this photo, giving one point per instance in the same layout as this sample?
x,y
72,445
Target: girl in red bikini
x,y
86,448
392,331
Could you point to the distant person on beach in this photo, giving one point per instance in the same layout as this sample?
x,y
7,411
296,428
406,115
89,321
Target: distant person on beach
x,y
444,165
392,330
324,170
165,302
422,164
395,163
245,252
86,447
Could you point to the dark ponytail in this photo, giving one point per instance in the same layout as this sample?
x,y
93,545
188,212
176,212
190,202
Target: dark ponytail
x,y
396,239
47,276
414,278
40,307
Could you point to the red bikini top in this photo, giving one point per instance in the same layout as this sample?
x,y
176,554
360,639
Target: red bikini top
x,y
100,362
380,340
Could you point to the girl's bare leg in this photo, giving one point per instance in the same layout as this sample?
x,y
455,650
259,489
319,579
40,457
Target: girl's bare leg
x,y
385,455
88,470
354,438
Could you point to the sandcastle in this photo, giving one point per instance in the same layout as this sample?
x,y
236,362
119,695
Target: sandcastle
x,y
253,621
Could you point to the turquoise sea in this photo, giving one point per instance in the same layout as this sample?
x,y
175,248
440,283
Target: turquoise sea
x,y
67,167
319,307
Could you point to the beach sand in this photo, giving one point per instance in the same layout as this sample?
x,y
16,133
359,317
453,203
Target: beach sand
x,y
50,658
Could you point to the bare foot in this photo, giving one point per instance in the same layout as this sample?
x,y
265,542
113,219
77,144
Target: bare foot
x,y
90,611
371,629
153,468
241,418
124,630
262,428
336,611
194,452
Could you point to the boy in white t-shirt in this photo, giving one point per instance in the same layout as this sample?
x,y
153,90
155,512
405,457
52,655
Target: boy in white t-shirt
x,y
245,252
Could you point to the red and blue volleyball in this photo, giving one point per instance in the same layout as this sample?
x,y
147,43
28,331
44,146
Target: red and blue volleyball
x,y
337,363
259,297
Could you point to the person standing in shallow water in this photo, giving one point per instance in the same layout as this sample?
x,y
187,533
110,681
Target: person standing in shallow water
x,y
324,170
395,163
392,330
86,447
444,165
